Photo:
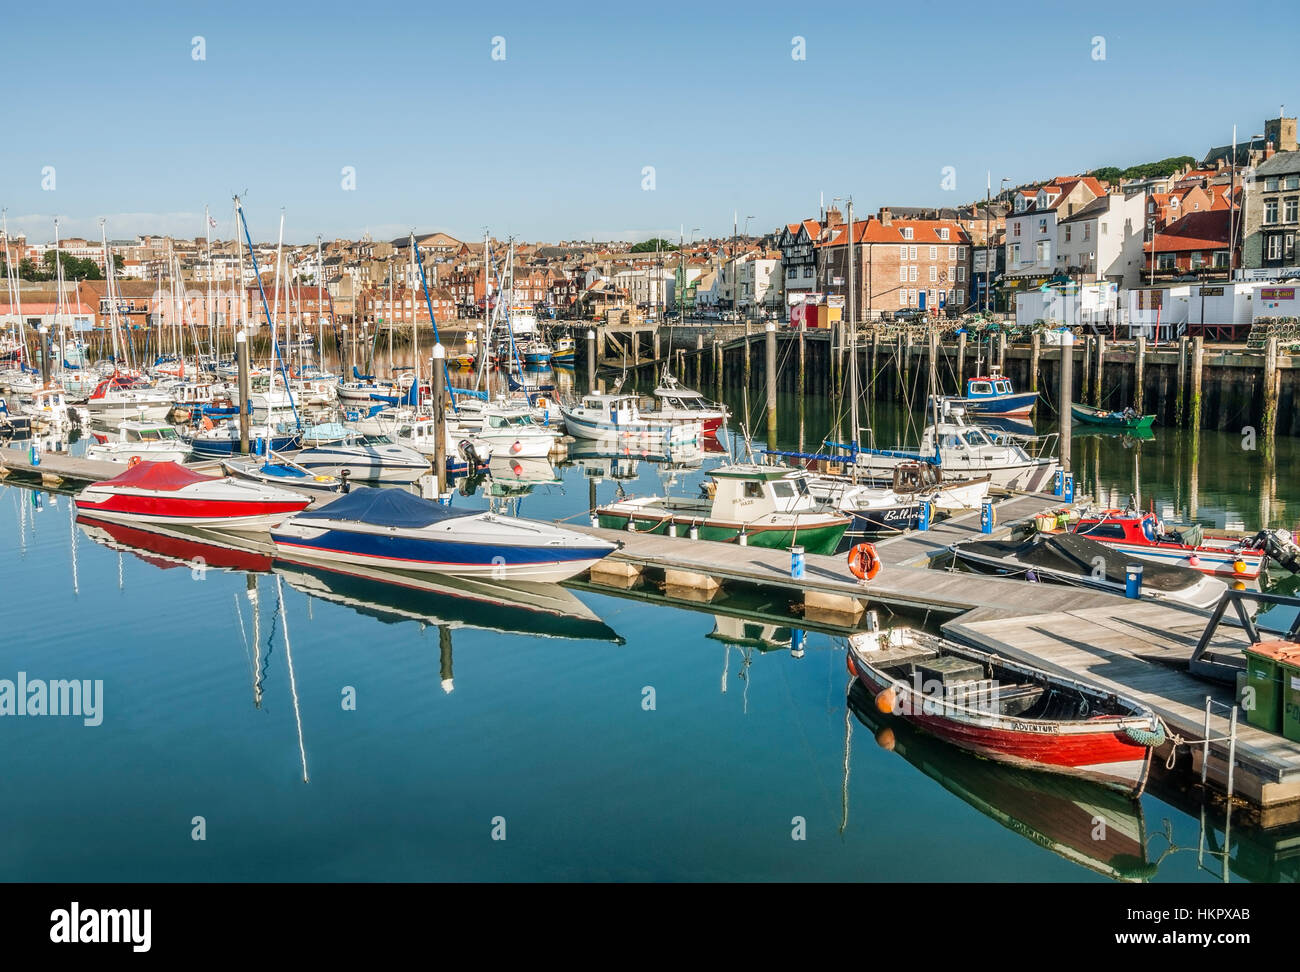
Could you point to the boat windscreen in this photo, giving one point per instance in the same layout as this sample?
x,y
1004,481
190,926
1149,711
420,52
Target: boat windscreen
x,y
384,507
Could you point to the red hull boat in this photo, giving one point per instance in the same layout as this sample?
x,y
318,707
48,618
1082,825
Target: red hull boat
x,y
167,492
1142,535
1007,712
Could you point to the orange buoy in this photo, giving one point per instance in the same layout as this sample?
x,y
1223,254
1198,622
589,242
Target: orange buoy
x,y
864,562
885,701
848,660
885,739
1239,566
133,461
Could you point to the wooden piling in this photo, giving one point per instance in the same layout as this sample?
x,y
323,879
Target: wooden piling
x,y
1139,372
803,363
241,352
1097,375
961,363
1179,397
656,344
746,375
770,367
1035,349
717,369
1270,384
1198,353
1086,383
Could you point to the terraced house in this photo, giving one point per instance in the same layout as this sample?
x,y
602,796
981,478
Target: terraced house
x,y
1272,219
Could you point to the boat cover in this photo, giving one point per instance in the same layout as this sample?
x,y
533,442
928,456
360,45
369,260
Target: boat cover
x,y
384,507
1071,554
163,476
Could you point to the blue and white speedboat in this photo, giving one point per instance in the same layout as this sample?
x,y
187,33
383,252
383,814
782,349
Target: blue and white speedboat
x,y
391,528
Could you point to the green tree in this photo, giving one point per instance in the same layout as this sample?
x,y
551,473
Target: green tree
x,y
649,246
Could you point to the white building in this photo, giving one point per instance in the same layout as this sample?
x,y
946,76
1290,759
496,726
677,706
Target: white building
x,y
646,287
1102,241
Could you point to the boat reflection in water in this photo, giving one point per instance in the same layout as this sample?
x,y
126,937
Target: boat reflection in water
x,y
1094,826
168,546
393,596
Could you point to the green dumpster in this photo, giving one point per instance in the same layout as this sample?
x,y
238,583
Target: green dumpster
x,y
1263,696
1291,697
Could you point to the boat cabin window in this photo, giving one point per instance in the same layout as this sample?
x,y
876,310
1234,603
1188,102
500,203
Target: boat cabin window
x,y
783,490
951,441
753,490
1003,387
1103,531
981,388
976,438
377,440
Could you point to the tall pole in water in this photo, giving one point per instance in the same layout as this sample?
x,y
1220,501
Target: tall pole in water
x,y
241,355
591,361
439,381
1067,376
853,338
771,384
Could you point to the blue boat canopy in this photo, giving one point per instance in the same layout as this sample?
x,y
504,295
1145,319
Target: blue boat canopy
x,y
384,507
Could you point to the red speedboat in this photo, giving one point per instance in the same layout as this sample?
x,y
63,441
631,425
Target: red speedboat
x,y
177,547
166,492
1143,535
1005,711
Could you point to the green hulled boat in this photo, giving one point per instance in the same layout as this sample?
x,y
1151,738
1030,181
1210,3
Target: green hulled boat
x,y
770,506
1127,419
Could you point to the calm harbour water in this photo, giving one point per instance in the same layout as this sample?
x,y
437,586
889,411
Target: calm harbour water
x,y
462,730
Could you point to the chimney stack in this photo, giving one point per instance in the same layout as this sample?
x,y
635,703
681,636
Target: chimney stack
x,y
886,217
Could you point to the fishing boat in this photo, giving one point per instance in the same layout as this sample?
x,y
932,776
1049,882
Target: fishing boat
x,y
1127,419
1068,558
166,492
1056,812
284,474
156,441
679,405
373,458
1005,711
619,416
993,394
564,354
761,506
394,529
222,440
1144,535
881,510
50,407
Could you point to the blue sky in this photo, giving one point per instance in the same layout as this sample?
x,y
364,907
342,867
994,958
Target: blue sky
x,y
551,142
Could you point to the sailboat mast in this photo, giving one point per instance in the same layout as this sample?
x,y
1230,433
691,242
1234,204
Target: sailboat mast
x,y
853,341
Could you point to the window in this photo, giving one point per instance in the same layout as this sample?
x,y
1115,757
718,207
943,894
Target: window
x,y
1221,258
961,253
1290,209
959,296
783,490
902,273
902,297
807,273
1104,531
934,273
753,490
1017,229
911,253
961,273
1270,184
907,234
1291,182
1087,231
1165,261
943,234
911,273
1068,228
1196,259
1015,253
934,253
1044,252
1042,224
1270,211
902,252
1288,247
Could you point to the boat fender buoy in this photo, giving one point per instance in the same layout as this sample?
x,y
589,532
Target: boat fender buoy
x,y
864,562
848,661
517,469
1239,566
1193,561
133,461
1146,737
516,447
885,701
885,739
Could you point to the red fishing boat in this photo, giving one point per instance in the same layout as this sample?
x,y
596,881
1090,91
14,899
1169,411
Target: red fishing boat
x,y
167,492
1143,535
1005,711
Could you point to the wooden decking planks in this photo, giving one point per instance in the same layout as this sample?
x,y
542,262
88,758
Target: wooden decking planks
x,y
59,464
919,547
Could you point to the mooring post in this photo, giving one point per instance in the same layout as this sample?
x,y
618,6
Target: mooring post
x,y
1198,353
241,354
1139,372
591,361
770,367
636,346
717,369
1065,397
1035,349
1002,350
803,362
439,416
746,375
1086,383
961,363
656,343
1269,422
1096,378
1179,396
699,359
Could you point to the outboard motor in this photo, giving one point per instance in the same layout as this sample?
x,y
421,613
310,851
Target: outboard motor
x,y
470,454
1280,547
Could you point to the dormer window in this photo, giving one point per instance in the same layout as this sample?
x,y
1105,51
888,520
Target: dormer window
x,y
907,232
943,233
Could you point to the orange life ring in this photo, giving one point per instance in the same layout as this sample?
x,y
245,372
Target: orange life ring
x,y
864,562
133,461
